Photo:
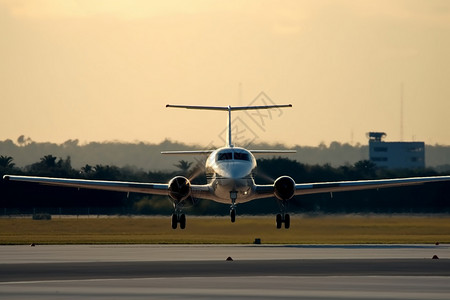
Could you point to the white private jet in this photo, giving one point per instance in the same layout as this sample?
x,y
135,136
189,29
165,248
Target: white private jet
x,y
229,172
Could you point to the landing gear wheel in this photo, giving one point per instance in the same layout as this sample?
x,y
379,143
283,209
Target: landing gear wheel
x,y
233,215
182,221
283,217
233,197
279,221
287,221
178,219
174,221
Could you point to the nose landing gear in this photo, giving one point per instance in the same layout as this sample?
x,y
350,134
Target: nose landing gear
x,y
233,197
233,215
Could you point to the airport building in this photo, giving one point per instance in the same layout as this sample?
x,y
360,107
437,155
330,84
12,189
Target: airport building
x,y
395,155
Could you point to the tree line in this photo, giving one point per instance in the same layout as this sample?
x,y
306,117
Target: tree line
x,y
19,198
147,156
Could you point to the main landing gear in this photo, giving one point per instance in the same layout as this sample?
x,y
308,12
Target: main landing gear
x,y
283,217
178,217
286,219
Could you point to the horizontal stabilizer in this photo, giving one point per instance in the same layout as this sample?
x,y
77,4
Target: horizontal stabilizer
x,y
227,108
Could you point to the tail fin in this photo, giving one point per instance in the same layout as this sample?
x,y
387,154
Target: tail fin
x,y
229,109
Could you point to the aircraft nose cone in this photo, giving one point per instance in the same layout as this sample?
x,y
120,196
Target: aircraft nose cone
x,y
236,172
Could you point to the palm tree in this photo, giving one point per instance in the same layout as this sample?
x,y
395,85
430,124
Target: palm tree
x,y
6,162
49,161
183,166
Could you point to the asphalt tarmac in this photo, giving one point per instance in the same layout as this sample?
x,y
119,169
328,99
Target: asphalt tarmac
x,y
202,272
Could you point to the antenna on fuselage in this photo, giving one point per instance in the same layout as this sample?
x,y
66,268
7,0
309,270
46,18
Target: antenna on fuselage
x,y
229,108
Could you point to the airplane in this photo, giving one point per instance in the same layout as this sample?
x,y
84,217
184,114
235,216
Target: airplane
x,y
229,172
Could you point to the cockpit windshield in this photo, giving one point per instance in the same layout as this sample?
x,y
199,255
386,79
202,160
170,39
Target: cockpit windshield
x,y
225,155
241,156
229,155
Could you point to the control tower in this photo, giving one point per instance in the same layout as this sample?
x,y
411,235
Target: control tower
x,y
376,136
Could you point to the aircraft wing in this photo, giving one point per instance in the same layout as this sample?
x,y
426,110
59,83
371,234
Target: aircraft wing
x,y
117,186
198,191
343,186
267,190
263,152
189,152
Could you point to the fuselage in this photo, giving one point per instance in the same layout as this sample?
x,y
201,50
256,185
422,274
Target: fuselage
x,y
230,170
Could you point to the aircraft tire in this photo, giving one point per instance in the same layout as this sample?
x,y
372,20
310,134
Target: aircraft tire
x,y
233,215
174,221
287,221
182,221
279,221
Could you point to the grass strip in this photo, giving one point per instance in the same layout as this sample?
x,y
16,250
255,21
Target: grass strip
x,y
218,230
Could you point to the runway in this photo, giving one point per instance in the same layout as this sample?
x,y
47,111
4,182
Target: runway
x,y
310,267
429,288
120,253
202,272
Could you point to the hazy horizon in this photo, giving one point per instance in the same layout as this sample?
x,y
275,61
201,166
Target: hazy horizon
x,y
29,140
104,70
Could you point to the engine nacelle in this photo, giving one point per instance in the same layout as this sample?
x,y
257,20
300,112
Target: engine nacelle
x,y
284,188
179,188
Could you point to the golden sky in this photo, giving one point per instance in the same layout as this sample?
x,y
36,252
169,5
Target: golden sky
x,y
104,70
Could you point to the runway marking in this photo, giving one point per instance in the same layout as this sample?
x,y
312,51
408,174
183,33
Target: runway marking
x,y
336,287
200,278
